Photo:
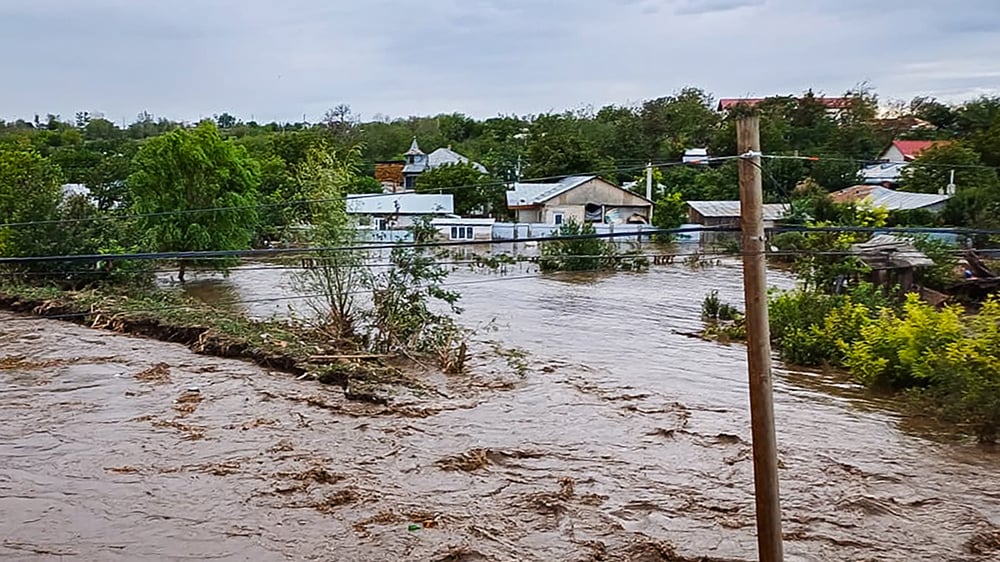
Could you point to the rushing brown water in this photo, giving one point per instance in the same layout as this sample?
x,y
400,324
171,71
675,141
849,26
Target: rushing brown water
x,y
624,436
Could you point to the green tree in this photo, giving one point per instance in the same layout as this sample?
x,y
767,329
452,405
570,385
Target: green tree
x,y
189,169
473,191
365,184
338,275
555,147
29,191
670,210
930,172
672,124
978,190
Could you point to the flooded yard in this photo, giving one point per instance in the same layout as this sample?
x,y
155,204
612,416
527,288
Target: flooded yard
x,y
625,439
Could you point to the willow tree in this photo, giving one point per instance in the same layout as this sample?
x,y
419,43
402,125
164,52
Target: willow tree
x,y
199,193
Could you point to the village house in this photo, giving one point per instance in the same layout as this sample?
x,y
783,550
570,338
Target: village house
x,y
397,211
892,261
890,199
889,170
401,175
461,228
417,162
578,198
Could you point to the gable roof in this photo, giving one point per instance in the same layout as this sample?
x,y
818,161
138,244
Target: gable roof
x,y
733,209
445,156
912,148
885,251
529,194
889,199
407,203
891,172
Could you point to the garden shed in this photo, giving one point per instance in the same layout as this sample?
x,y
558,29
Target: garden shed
x,y
893,260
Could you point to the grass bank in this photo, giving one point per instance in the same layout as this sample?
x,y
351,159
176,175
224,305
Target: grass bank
x,y
168,315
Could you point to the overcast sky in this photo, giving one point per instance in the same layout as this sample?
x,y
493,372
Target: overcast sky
x,y
282,59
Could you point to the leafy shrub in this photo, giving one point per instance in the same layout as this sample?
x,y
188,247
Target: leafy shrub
x,y
572,250
826,343
952,360
901,350
713,309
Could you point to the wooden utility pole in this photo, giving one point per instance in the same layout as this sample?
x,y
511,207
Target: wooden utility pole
x,y
765,448
649,181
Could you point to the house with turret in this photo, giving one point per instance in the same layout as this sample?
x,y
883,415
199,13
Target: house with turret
x,y
417,162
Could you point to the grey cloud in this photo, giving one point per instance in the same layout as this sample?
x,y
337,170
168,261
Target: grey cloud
x,y
274,60
694,7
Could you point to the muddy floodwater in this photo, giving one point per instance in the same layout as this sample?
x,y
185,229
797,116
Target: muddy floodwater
x,y
624,439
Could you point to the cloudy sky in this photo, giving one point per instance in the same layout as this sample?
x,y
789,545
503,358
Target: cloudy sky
x,y
282,59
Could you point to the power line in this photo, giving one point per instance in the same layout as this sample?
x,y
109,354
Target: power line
x,y
297,297
301,202
263,252
872,162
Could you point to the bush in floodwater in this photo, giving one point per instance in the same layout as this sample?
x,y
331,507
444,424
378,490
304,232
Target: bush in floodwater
x,y
950,360
404,316
567,252
713,309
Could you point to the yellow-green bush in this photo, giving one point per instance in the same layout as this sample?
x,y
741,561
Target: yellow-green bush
x,y
951,359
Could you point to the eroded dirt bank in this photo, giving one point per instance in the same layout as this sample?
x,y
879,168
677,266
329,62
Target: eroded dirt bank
x,y
621,442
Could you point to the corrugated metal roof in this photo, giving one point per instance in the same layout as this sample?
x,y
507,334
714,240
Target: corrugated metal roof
x,y
912,148
882,172
889,199
401,204
885,251
534,193
733,209
443,156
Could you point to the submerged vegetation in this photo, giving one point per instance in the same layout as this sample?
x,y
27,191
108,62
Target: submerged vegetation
x,y
573,247
947,361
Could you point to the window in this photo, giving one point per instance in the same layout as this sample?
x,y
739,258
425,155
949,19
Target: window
x,y
461,233
379,223
557,219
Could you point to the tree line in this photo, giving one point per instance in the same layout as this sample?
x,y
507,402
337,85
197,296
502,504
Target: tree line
x,y
158,165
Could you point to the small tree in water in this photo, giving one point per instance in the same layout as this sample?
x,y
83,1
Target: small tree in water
x,y
337,275
576,247
403,316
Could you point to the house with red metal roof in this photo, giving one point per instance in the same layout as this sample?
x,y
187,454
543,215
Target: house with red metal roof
x,y
889,171
907,150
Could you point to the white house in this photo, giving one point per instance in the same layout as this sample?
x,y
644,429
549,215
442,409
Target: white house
x,y
892,161
581,198
389,211
460,228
